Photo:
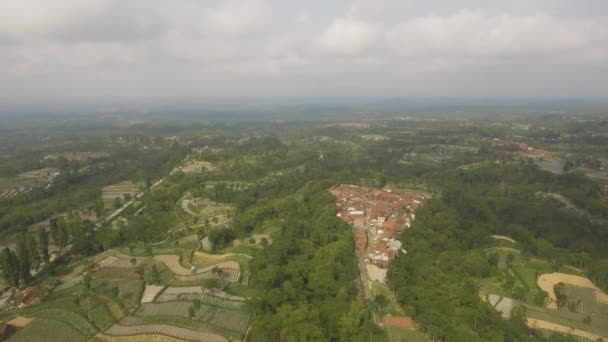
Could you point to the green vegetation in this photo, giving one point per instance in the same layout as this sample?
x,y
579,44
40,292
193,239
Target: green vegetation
x,y
261,202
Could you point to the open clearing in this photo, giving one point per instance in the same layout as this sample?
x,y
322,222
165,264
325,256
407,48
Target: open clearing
x,y
540,324
548,281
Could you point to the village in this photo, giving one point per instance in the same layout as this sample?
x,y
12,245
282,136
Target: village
x,y
378,217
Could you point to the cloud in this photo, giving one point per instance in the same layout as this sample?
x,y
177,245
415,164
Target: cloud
x,y
347,36
235,18
268,47
476,34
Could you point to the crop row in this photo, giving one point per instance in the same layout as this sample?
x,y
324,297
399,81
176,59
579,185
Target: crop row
x,y
45,330
165,329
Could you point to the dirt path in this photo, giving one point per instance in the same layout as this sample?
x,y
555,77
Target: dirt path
x,y
538,324
502,237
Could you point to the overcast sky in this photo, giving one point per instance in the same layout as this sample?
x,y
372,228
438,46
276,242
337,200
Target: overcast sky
x,y
205,48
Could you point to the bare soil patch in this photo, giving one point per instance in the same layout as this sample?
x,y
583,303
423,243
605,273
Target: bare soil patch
x,y
20,321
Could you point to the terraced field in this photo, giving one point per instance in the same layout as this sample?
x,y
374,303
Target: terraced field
x,y
397,334
164,309
77,322
48,330
230,269
164,329
110,192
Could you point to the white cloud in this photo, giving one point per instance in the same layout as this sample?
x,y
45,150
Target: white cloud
x,y
347,36
392,46
238,17
476,34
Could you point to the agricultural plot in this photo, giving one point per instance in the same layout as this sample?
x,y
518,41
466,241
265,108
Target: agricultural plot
x,y
222,303
575,320
235,320
229,270
165,329
129,290
217,214
547,283
229,274
195,166
138,338
150,293
101,317
585,300
70,283
40,176
11,192
164,309
76,321
577,334
47,330
398,334
120,260
110,192
180,293
117,272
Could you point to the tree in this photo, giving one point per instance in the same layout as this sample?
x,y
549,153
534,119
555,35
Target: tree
x,y
10,267
155,274
115,292
43,236
33,250
117,203
86,280
351,323
23,256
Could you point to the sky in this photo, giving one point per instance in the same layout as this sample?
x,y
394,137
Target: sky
x,y
144,49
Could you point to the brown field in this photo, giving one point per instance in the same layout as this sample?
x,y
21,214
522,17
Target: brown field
x,y
20,321
539,324
548,281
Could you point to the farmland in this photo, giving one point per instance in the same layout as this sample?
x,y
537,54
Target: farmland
x,y
118,191
43,330
535,290
169,330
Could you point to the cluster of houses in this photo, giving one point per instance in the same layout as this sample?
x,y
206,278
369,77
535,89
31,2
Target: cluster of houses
x,y
378,218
